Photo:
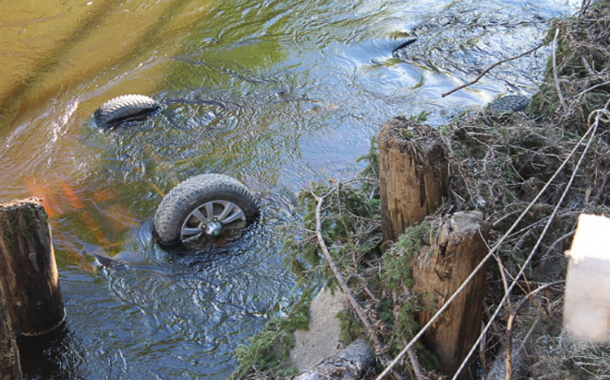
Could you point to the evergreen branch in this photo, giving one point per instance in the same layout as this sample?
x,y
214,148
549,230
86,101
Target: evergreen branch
x,y
380,348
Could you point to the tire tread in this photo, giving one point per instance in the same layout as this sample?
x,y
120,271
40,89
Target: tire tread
x,y
188,194
510,103
123,108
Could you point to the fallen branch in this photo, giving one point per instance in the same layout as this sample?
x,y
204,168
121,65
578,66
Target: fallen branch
x,y
380,348
490,68
415,363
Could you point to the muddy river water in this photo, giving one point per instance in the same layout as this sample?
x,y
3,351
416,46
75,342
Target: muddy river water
x,y
276,93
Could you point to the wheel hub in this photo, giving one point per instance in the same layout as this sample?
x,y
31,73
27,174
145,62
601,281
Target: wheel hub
x,y
213,228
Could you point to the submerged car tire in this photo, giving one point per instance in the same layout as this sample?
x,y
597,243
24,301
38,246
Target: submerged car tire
x,y
125,108
510,103
206,206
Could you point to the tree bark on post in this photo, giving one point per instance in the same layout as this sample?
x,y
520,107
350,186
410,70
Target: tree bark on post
x,y
413,174
28,272
461,245
9,354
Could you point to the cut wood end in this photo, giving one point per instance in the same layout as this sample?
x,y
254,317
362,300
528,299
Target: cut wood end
x,y
401,132
587,294
16,203
467,222
590,240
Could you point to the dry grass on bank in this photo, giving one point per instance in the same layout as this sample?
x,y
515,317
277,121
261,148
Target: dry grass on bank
x,y
554,160
545,166
537,170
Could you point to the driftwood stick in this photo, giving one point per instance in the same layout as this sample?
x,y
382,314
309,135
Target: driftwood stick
x,y
339,276
415,364
555,75
380,348
490,68
511,320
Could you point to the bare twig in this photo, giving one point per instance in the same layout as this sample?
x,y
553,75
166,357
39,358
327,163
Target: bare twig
x,y
583,8
592,128
482,350
415,364
559,241
601,188
490,68
411,352
509,325
502,274
380,348
557,86
339,276
590,134
368,291
504,217
527,336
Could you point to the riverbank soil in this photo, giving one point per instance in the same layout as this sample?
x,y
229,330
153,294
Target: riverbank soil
x,y
531,174
322,338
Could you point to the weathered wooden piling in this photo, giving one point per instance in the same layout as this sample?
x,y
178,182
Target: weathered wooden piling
x,y
28,272
460,247
413,174
413,180
9,354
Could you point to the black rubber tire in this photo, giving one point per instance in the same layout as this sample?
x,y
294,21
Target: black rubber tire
x,y
192,194
510,103
125,108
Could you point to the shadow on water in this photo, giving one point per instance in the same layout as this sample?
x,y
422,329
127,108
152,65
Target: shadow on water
x,y
86,27
172,313
15,97
54,355
273,93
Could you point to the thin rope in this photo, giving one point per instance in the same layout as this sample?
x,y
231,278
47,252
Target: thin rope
x,y
591,130
483,261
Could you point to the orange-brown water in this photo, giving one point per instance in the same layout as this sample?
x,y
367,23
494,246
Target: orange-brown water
x,y
274,93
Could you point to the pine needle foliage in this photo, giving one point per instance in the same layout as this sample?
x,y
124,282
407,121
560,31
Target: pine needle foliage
x,y
499,164
267,353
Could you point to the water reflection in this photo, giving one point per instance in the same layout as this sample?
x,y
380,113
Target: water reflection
x,y
274,93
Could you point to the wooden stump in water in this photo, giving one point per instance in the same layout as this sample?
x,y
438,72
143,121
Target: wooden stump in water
x,y
461,245
9,354
28,272
413,174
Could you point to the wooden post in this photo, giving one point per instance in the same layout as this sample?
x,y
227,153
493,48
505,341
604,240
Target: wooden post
x,y
413,174
461,245
9,354
28,273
